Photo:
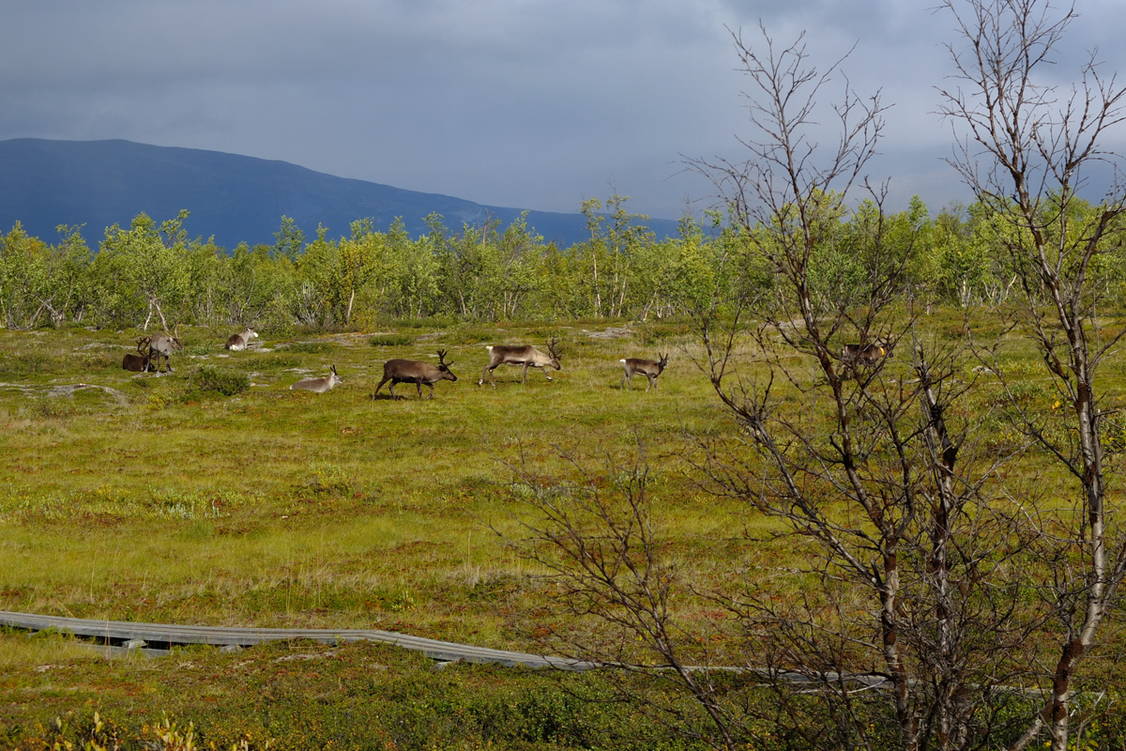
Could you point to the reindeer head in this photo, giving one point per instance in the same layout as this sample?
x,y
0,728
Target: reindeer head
x,y
663,362
553,352
444,366
334,378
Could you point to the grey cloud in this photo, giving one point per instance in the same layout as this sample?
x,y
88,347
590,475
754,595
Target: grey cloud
x,y
512,102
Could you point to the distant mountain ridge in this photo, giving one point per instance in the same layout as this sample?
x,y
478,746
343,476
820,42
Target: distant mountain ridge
x,y
45,183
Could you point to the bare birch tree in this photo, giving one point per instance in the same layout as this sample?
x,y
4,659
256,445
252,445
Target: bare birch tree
x,y
1027,149
910,566
876,474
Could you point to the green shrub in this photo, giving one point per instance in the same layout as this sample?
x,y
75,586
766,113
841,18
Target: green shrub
x,y
225,382
391,340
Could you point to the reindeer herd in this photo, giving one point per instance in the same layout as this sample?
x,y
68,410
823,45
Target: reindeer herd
x,y
150,351
157,348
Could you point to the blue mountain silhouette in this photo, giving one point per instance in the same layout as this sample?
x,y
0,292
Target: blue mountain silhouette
x,y
45,183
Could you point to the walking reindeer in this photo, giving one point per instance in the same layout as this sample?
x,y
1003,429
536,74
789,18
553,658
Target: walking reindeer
x,y
416,372
521,354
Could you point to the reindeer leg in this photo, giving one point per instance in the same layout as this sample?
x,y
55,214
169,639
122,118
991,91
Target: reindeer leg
x,y
391,390
625,380
377,388
546,375
649,382
525,378
431,390
418,388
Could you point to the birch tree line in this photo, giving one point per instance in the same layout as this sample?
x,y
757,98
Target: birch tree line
x,y
152,273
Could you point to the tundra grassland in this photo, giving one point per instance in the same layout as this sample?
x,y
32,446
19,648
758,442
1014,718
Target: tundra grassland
x,y
216,495
161,500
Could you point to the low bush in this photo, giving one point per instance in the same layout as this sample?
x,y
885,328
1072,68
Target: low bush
x,y
215,380
391,340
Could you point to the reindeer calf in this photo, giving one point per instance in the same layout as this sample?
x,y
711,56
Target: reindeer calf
x,y
648,368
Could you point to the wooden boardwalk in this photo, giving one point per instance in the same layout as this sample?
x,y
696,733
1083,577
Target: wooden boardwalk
x,y
157,638
163,636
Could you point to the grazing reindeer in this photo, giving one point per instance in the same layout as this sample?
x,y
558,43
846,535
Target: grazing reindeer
x,y
319,385
416,372
520,354
239,342
161,345
865,354
648,368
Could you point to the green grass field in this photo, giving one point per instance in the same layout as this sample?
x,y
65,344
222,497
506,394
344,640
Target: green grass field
x,y
156,501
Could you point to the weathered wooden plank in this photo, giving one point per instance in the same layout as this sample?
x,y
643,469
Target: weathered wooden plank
x,y
443,651
175,634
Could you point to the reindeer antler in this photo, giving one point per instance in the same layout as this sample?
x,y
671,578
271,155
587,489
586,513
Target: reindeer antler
x,y
442,358
552,347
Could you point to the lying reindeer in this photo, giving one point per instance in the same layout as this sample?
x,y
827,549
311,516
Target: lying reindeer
x,y
416,372
319,385
520,354
140,362
136,363
648,368
240,341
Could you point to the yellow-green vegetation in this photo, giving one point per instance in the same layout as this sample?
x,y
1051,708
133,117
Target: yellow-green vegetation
x,y
299,695
164,502
161,498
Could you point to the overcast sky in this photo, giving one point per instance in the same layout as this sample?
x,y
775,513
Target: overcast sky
x,y
529,103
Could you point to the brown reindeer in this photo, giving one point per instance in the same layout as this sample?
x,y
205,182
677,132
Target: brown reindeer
x,y
416,372
520,354
136,363
648,368
140,362
865,354
319,385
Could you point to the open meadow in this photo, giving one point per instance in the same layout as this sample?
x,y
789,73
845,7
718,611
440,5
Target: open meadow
x,y
152,499
155,498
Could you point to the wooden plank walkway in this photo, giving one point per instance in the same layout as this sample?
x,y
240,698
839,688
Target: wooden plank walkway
x,y
157,638
167,635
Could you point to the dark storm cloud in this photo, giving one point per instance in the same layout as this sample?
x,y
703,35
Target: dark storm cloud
x,y
511,102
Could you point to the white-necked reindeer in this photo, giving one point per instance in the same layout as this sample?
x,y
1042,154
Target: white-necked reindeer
x,y
416,372
520,354
240,341
319,385
648,368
